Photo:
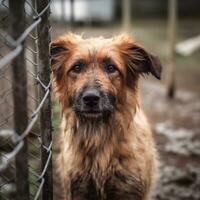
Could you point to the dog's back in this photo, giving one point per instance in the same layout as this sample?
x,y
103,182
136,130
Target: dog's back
x,y
106,146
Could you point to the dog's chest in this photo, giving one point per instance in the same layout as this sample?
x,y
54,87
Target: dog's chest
x,y
112,186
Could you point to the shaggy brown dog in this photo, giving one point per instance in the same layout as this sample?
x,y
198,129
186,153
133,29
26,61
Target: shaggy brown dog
x,y
107,149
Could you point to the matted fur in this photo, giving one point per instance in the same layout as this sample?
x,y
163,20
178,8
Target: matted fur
x,y
112,160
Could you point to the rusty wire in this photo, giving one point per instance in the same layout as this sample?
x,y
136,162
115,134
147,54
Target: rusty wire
x,y
16,140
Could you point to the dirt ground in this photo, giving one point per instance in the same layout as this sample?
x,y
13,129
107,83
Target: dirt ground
x,y
177,135
176,123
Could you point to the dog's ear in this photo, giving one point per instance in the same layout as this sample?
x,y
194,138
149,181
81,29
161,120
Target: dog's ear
x,y
137,59
58,49
140,61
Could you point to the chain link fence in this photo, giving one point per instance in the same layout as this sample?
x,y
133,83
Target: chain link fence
x,y
25,101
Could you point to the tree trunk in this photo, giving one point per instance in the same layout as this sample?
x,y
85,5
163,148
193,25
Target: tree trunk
x,y
172,20
126,15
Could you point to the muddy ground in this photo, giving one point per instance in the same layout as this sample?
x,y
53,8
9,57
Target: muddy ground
x,y
176,124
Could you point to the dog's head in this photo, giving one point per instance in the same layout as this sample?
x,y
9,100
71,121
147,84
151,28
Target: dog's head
x,y
94,76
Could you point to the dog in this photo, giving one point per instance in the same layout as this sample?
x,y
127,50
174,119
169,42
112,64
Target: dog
x,y
107,150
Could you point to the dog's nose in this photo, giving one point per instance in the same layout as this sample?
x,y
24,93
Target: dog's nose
x,y
91,97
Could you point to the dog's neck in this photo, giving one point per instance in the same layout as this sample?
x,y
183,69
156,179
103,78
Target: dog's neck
x,y
96,144
90,136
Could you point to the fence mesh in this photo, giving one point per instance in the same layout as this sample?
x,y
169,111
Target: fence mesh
x,y
25,102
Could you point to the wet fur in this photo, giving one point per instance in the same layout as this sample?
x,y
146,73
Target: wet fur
x,y
112,159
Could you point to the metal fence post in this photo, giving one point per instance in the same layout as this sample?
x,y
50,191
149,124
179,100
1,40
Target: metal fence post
x,y
45,116
19,84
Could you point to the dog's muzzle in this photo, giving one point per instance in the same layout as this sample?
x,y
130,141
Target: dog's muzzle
x,y
93,103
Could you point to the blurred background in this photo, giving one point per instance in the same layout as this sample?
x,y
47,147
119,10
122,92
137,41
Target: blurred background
x,y
171,30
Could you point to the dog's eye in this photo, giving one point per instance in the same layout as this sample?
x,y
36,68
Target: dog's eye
x,y
110,68
76,68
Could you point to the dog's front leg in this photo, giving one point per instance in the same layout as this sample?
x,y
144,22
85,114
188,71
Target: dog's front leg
x,y
83,188
122,187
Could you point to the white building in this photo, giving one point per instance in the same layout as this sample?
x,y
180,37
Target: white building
x,y
84,10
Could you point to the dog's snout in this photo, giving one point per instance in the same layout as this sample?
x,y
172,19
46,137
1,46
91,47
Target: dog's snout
x,y
93,102
91,97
